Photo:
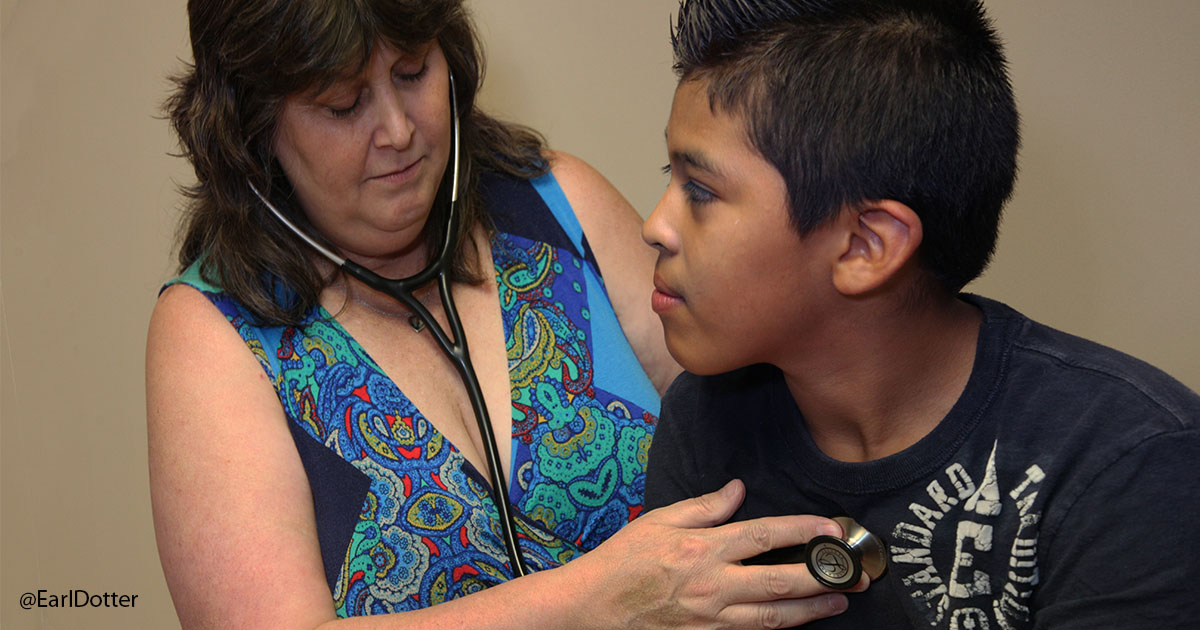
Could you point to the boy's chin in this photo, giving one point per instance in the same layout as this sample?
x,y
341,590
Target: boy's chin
x,y
700,359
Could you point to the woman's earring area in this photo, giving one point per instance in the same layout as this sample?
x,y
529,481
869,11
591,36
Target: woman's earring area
x,y
838,563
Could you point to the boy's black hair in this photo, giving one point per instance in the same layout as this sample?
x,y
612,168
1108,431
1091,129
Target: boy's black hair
x,y
855,100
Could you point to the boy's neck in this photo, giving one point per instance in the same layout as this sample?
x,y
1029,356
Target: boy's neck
x,y
889,380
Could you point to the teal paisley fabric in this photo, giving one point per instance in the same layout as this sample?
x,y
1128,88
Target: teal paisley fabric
x,y
404,520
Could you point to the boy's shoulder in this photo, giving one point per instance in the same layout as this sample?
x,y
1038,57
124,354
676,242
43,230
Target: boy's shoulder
x,y
1044,365
1025,364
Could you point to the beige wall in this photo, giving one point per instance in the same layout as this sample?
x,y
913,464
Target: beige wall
x,y
1100,240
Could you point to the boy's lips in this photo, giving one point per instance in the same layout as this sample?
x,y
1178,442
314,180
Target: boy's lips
x,y
664,298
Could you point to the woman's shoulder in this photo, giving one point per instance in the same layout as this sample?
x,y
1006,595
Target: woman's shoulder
x,y
186,323
193,311
612,227
184,308
193,275
613,230
192,294
556,207
609,223
592,196
568,186
204,285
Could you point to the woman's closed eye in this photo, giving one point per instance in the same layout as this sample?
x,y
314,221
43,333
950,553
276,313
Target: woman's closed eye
x,y
342,107
344,112
413,77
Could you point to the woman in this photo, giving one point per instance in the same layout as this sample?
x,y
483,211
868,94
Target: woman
x,y
319,458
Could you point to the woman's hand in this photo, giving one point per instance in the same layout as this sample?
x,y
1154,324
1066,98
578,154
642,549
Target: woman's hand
x,y
231,498
678,567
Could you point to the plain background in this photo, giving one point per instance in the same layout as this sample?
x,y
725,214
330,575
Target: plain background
x,y
1101,238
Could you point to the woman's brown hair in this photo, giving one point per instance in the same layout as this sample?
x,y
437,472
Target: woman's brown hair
x,y
247,57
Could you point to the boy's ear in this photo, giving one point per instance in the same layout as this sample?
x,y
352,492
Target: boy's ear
x,y
880,238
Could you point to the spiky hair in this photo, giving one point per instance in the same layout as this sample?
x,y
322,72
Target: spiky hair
x,y
854,100
707,31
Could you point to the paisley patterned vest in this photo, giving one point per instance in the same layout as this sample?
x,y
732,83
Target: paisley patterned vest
x,y
404,520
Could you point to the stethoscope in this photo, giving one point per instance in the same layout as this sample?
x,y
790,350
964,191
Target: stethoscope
x,y
455,347
835,562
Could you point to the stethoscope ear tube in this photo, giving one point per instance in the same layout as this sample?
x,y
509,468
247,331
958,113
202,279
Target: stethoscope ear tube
x,y
454,344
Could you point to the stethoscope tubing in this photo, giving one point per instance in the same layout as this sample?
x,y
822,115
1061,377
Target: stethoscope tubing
x,y
454,344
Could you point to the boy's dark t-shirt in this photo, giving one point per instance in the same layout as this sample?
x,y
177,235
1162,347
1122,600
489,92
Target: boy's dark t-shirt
x,y
1061,491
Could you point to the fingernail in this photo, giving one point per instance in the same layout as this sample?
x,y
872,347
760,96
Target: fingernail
x,y
838,603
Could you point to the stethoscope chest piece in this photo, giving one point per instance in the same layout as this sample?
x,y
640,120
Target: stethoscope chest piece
x,y
840,562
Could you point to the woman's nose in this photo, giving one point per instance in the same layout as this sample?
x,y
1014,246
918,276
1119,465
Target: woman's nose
x,y
395,128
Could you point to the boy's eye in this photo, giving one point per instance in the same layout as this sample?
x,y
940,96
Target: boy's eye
x,y
695,192
698,194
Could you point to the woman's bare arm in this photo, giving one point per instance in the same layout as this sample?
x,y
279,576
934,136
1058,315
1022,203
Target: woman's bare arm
x,y
237,536
233,511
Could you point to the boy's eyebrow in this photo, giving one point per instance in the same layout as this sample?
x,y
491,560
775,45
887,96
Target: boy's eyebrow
x,y
696,160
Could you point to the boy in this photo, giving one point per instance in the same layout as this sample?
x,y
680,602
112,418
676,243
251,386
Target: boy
x,y
838,170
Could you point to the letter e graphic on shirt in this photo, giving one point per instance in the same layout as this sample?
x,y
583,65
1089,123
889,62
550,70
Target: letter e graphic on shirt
x,y
980,537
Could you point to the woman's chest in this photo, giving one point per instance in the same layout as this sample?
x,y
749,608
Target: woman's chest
x,y
573,448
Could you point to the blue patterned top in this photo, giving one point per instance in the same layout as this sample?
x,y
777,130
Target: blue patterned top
x,y
404,520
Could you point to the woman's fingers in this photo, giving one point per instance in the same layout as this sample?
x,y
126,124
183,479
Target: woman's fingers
x,y
791,612
680,565
746,539
705,510
787,613
783,581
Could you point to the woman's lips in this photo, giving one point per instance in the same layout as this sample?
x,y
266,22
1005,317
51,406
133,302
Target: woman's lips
x,y
401,175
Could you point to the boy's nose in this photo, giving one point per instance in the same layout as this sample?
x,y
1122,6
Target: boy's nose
x,y
657,230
